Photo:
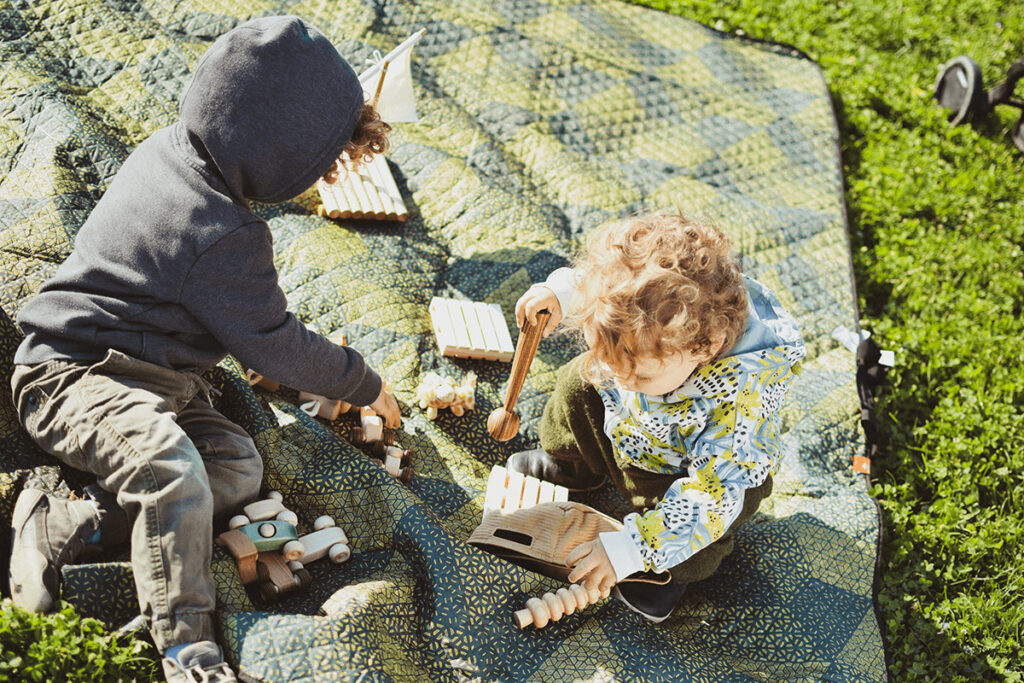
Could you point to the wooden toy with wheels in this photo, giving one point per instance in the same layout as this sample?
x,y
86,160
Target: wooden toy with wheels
x,y
327,539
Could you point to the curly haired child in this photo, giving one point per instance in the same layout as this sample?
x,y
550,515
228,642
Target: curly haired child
x,y
172,271
676,399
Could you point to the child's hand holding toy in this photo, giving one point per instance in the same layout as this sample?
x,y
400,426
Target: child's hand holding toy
x,y
536,299
591,566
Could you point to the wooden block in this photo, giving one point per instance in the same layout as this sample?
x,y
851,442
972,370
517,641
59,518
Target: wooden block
x,y
508,491
466,329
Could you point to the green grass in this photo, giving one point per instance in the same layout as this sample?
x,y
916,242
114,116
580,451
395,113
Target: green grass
x,y
65,647
937,223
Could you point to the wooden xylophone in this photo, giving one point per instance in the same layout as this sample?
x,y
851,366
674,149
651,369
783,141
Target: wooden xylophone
x,y
363,190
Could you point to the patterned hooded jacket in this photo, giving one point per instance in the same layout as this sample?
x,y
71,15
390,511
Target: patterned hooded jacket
x,y
719,433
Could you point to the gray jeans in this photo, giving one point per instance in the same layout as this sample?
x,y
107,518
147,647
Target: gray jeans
x,y
151,437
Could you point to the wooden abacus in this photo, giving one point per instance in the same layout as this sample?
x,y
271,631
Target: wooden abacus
x,y
553,606
363,190
503,422
508,491
470,329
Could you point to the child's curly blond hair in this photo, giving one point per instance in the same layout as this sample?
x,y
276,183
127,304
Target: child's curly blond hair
x,y
656,285
369,137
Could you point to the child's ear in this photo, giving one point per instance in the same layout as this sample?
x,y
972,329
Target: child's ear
x,y
717,344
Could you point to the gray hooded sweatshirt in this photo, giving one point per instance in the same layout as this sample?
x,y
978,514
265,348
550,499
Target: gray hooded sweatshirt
x,y
172,266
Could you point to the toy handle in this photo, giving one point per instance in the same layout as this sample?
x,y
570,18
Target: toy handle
x,y
503,422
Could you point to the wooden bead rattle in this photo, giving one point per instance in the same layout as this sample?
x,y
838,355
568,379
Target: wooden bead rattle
x,y
551,606
503,422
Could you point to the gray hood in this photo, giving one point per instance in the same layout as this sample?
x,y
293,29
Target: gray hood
x,y
271,104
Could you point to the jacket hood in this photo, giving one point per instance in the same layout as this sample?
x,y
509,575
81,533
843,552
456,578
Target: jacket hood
x,y
769,325
272,104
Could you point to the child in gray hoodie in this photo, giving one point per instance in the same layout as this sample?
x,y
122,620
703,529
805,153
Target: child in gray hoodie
x,y
171,272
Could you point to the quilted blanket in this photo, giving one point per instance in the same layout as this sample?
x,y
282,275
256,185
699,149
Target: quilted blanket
x,y
539,119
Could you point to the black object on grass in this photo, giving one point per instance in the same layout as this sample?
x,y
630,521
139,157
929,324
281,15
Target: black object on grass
x,y
960,89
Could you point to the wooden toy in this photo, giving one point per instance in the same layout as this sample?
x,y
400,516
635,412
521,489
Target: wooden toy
x,y
436,392
278,576
363,190
467,329
508,491
371,428
398,463
552,606
326,539
269,508
256,379
271,535
315,405
503,422
274,573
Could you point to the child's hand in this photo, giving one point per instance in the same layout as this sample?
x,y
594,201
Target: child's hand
x,y
387,407
533,301
591,566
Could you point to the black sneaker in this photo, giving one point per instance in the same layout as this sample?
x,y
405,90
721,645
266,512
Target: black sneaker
x,y
47,533
654,601
572,474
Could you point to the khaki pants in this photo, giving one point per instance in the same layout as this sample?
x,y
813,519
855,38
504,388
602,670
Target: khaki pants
x,y
151,437
572,427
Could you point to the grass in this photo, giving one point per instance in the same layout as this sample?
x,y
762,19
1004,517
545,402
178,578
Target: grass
x,y
937,223
65,647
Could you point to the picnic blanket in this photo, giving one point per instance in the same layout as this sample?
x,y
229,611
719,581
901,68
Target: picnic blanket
x,y
539,120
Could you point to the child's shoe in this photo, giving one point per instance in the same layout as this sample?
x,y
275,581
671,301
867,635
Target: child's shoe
x,y
47,533
572,474
202,661
654,601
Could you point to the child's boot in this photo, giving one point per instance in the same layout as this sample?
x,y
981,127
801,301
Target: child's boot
x,y
654,601
573,473
47,532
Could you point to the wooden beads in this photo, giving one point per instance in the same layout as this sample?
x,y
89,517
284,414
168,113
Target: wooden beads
x,y
552,606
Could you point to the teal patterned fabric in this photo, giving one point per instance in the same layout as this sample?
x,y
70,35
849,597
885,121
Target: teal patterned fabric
x,y
539,120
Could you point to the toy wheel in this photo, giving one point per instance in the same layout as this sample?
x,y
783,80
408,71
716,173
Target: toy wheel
x,y
302,578
268,591
358,436
339,552
322,522
959,89
288,516
293,550
237,521
275,495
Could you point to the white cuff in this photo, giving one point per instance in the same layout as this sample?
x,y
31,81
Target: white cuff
x,y
562,282
622,553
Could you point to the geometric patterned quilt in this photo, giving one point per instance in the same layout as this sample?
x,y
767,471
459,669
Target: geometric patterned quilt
x,y
539,119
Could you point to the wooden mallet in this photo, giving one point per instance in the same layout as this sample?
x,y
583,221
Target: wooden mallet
x,y
503,422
